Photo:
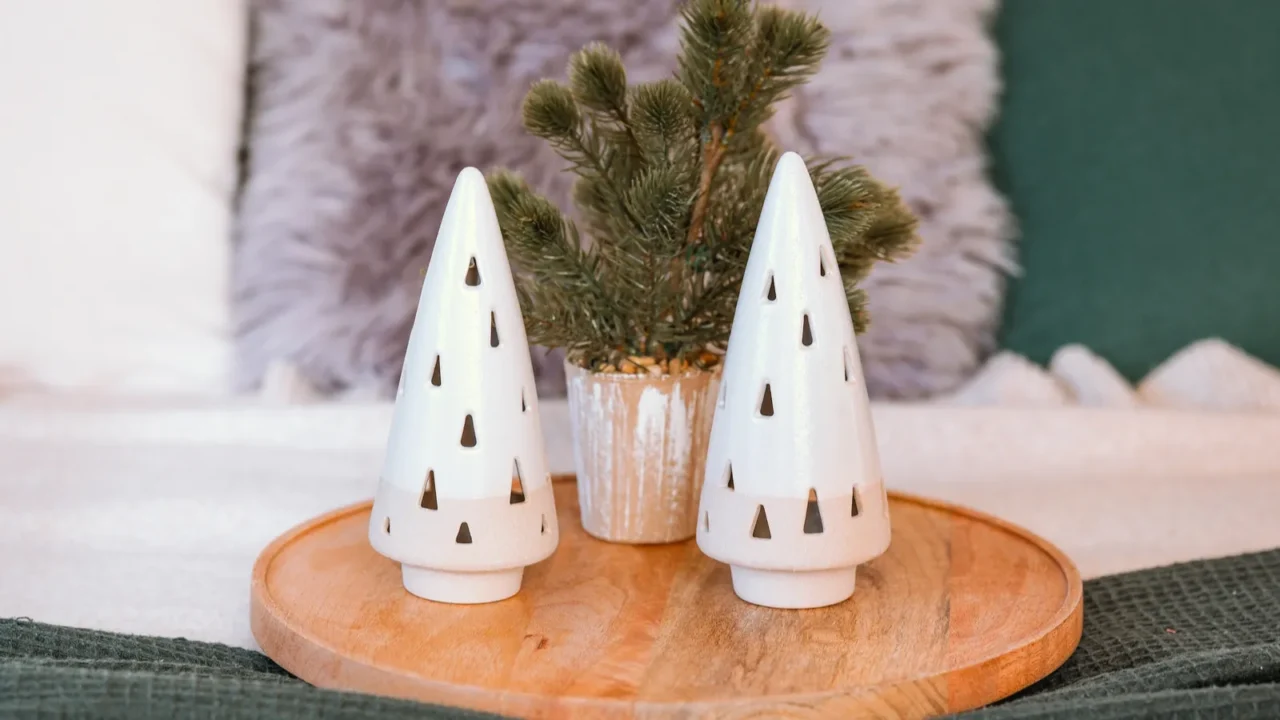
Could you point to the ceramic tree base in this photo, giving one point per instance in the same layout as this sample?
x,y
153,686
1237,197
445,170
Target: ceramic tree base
x,y
478,548
462,588
962,610
793,590
801,554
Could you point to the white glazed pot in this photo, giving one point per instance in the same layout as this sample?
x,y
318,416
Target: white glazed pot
x,y
640,447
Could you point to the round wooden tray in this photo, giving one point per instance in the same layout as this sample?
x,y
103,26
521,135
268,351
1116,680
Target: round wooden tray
x,y
963,610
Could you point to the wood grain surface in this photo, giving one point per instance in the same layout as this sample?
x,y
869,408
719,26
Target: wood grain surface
x,y
961,611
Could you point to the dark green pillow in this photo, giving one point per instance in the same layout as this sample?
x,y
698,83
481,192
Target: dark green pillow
x,y
1139,143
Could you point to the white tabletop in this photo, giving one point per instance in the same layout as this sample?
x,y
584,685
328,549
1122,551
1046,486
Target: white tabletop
x,y
148,519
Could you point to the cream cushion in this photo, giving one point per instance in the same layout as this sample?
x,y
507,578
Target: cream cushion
x,y
119,135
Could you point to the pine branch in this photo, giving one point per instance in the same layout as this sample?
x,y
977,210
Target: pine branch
x,y
671,178
880,228
551,113
662,120
736,202
632,215
857,307
789,47
868,223
714,45
714,42
545,246
759,57
598,81
712,156
849,197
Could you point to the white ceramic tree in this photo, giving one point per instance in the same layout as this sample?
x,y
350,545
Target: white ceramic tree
x,y
465,499
793,499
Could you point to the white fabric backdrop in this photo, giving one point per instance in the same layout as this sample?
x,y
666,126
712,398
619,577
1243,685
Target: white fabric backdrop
x,y
148,519
118,139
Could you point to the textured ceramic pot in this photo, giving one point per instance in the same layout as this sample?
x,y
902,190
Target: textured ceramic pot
x,y
465,499
793,499
640,444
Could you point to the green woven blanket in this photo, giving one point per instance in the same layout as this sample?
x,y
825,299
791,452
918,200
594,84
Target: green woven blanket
x,y
1195,640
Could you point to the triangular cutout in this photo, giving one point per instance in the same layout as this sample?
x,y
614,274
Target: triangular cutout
x,y
812,515
706,521
473,273
854,511
524,406
766,402
517,483
822,263
435,373
772,293
428,501
468,432
761,527
493,330
544,523
806,332
386,525
464,535
847,363
729,484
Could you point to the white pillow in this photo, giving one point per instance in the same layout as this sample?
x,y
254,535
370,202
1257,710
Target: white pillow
x,y
119,132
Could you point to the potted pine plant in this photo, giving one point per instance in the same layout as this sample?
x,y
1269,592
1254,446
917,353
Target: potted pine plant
x,y
671,176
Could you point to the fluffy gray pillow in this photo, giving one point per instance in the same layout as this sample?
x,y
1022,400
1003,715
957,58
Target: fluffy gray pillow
x,y
361,115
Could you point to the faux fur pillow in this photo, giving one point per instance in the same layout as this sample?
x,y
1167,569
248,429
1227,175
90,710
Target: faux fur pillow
x,y
363,113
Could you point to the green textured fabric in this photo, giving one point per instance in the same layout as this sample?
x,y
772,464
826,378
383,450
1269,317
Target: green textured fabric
x,y
48,671
1197,640
1139,144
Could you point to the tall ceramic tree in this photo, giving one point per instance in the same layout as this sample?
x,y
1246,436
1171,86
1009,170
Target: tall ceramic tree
x,y
465,499
793,499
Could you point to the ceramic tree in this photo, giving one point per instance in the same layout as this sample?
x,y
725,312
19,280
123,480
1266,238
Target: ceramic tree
x,y
465,501
792,499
